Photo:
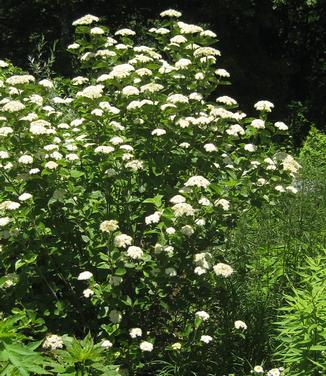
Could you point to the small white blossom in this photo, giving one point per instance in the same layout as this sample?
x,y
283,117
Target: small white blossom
x,y
106,344
122,240
53,342
206,338
84,276
240,325
281,126
202,315
146,346
135,332
88,293
223,270
264,106
135,252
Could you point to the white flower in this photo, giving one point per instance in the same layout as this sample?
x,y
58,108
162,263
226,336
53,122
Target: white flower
x,y
258,369
135,165
4,131
176,346
125,32
4,154
223,270
106,344
291,189
13,106
183,209
182,63
25,159
199,76
53,342
250,147
115,316
289,164
178,39
226,100
92,92
264,106
187,230
86,20
135,332
281,126
46,83
4,221
208,33
104,149
178,199
20,79
161,31
240,325
189,28
79,80
235,130
210,148
153,218
72,157
204,201
223,203
261,181
207,53
97,31
135,252
122,240
34,171
25,196
200,222
51,165
158,132
177,98
73,46
146,346
202,315
9,205
84,276
88,293
274,372
206,339
130,90
258,124
280,188
109,226
3,64
197,181
118,71
152,87
184,145
171,13
222,73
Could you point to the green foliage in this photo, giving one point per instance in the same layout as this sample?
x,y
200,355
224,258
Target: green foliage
x,y
83,358
313,153
301,324
41,62
119,200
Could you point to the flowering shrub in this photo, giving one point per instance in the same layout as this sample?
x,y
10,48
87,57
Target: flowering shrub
x,y
118,196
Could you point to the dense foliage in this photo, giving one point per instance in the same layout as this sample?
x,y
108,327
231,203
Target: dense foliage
x,y
121,190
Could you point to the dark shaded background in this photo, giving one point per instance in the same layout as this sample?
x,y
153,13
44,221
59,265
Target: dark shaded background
x,y
274,49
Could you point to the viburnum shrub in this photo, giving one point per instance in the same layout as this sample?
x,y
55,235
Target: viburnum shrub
x,y
116,200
